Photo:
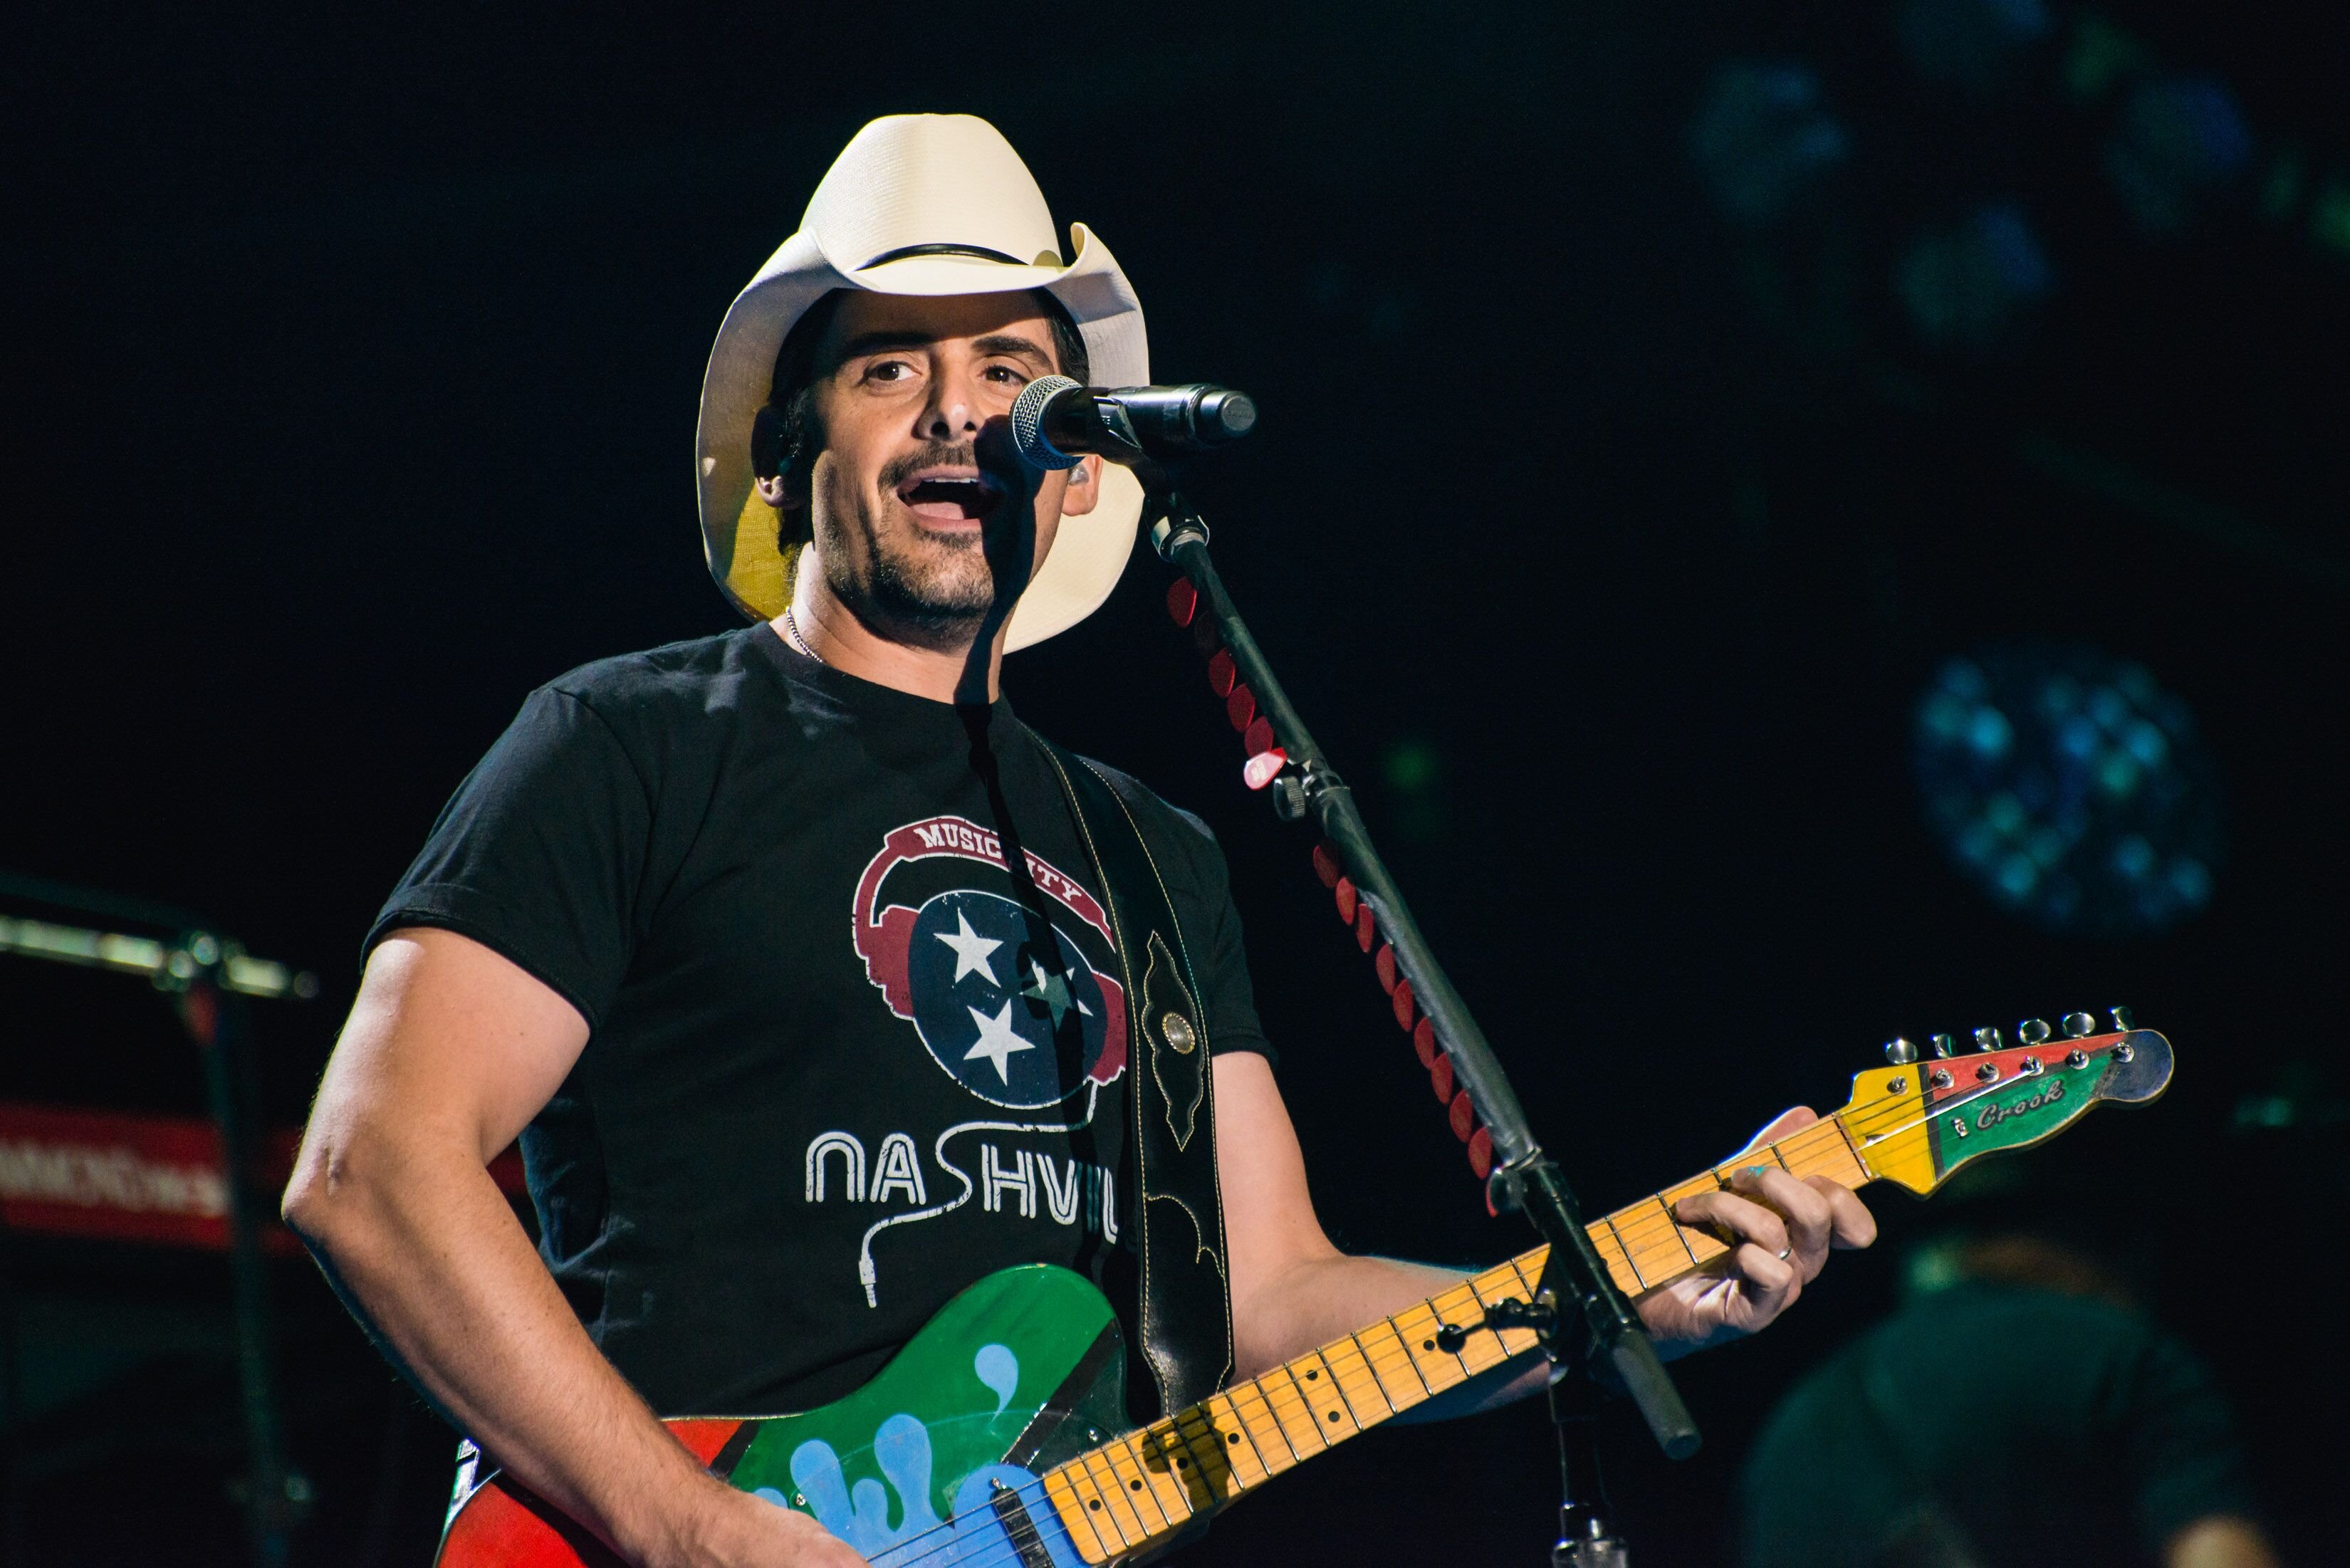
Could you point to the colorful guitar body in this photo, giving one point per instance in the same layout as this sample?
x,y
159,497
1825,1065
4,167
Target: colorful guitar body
x,y
935,1461
998,1438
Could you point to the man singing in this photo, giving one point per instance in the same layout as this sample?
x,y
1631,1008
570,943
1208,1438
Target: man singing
x,y
789,955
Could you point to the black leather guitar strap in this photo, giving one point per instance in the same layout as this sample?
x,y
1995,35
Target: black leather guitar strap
x,y
1185,1317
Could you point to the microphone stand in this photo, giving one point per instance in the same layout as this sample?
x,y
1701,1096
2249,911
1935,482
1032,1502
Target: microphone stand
x,y
1581,1319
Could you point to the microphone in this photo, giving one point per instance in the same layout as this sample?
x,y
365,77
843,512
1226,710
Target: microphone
x,y
1055,421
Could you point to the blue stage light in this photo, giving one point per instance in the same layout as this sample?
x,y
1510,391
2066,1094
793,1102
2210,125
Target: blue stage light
x,y
1971,42
1970,288
2179,140
2071,787
1762,136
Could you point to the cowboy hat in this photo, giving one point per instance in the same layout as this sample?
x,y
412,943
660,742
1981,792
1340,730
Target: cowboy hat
x,y
920,204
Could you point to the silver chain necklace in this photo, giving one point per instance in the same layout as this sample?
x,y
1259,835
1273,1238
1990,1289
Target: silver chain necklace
x,y
791,628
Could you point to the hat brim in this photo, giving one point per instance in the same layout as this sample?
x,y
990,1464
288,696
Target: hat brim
x,y
740,531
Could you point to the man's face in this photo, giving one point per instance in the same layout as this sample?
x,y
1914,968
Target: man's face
x,y
911,533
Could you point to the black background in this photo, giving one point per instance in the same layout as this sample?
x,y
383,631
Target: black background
x,y
357,357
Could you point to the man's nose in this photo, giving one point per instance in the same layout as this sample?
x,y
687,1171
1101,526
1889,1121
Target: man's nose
x,y
952,412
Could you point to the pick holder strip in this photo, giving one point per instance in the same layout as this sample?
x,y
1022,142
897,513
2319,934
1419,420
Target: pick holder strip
x,y
1263,766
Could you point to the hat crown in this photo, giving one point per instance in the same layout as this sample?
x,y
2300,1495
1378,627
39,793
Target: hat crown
x,y
911,180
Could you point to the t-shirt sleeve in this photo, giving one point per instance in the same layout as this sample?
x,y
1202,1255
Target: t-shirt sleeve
x,y
539,853
1230,999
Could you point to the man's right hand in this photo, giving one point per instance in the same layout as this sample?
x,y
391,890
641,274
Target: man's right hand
x,y
740,1531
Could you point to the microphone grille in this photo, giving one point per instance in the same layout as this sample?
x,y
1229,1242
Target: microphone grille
x,y
1028,422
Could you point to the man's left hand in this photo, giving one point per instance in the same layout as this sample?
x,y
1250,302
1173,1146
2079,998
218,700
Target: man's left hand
x,y
1780,1230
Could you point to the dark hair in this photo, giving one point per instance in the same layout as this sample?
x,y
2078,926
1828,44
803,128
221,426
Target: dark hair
x,y
786,435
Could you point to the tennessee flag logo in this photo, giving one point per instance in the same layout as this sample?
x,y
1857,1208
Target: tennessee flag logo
x,y
1001,996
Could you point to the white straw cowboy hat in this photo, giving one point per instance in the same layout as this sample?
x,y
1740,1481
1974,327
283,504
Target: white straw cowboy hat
x,y
921,205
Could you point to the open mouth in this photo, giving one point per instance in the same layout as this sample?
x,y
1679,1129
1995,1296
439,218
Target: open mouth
x,y
949,496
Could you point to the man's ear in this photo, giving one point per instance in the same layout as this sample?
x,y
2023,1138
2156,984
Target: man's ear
x,y
781,491
1083,492
771,468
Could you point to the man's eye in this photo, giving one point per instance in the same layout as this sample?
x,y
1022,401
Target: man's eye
x,y
1007,375
888,370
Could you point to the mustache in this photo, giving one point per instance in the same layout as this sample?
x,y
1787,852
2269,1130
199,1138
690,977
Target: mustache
x,y
940,454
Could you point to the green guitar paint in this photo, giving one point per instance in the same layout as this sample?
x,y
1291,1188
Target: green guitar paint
x,y
1967,1124
1025,1368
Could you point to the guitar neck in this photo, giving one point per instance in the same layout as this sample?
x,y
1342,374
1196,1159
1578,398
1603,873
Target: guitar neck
x,y
1152,1482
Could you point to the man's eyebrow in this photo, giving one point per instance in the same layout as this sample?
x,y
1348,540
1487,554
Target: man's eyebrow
x,y
883,341
1010,343
876,342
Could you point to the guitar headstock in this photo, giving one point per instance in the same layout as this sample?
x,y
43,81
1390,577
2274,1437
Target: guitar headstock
x,y
1958,1098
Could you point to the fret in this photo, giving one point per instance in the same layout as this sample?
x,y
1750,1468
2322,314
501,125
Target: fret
x,y
1351,1373
1834,1158
1295,1411
1188,1445
1144,1484
1357,1384
1631,1259
1141,1494
1241,1451
1143,1487
1853,1149
1101,1468
1703,1245
1653,1243
1673,1226
1612,1254
1492,1286
1285,1457
1438,1368
1080,1513
1334,1415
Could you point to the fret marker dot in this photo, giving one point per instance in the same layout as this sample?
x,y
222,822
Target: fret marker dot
x,y
1135,1485
1334,1415
1095,1505
1180,1462
1312,1375
1427,1344
1233,1438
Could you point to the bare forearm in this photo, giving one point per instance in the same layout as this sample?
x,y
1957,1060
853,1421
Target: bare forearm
x,y
1320,1300
421,1245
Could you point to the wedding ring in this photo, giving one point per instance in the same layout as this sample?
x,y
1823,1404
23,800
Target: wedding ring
x,y
1783,1251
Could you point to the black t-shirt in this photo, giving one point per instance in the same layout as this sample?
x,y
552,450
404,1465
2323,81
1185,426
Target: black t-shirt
x,y
833,1073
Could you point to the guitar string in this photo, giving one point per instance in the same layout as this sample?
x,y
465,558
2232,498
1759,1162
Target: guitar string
x,y
1173,1428
1279,1405
1647,1225
1380,1365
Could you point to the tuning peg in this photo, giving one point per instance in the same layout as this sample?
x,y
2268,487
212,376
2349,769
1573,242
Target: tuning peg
x,y
1986,1040
2080,1026
1900,1051
2034,1032
2124,1019
1944,1045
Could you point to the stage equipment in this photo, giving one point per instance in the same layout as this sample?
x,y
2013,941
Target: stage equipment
x,y
2070,787
208,977
1055,421
999,1427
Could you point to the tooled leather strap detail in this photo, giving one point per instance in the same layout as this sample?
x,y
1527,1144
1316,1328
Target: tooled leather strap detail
x,y
1185,1312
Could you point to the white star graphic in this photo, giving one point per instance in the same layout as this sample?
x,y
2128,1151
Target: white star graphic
x,y
996,1040
970,951
1052,990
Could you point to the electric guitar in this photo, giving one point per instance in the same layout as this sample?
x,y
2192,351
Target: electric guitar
x,y
998,1438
